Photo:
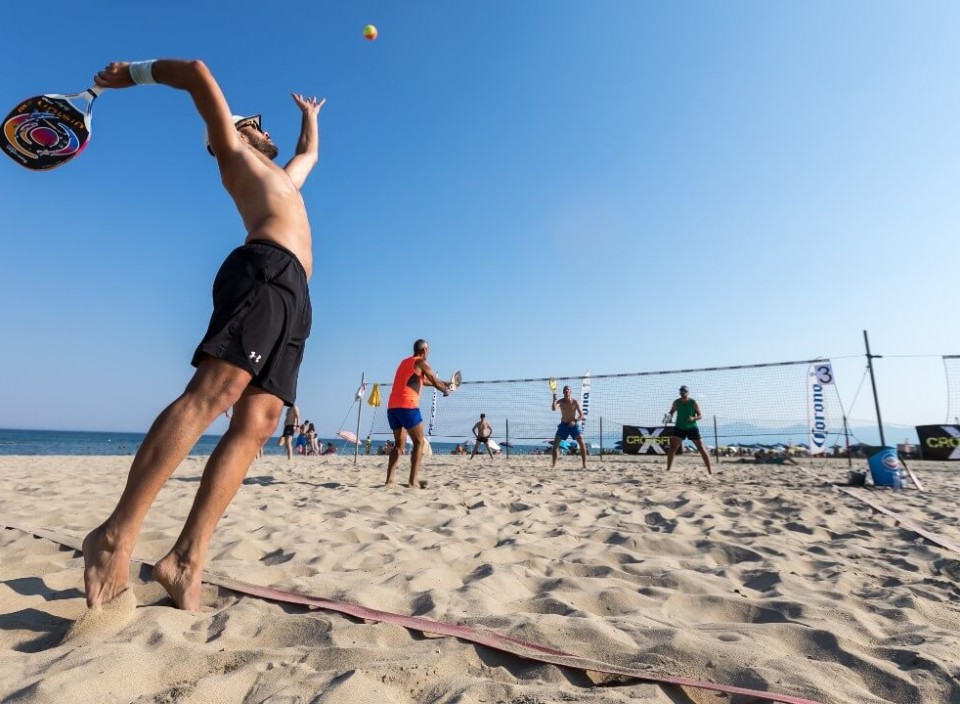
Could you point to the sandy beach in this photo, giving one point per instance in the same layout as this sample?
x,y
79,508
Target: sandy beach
x,y
761,577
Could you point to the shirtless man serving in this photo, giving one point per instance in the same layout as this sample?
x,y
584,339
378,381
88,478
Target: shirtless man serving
x,y
250,357
570,415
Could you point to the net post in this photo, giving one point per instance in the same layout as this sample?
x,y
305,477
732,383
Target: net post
x,y
716,442
873,383
507,443
356,447
601,437
846,439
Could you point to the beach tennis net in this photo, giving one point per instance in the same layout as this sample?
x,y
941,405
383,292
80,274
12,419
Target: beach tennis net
x,y
759,403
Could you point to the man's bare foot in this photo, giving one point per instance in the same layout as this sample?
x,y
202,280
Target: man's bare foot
x,y
181,581
106,567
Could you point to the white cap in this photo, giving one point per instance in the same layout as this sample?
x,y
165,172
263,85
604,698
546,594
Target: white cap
x,y
237,119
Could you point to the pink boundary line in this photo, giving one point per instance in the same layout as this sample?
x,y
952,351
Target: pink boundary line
x,y
489,639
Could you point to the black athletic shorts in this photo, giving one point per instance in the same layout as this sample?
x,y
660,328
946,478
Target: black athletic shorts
x,y
687,433
261,317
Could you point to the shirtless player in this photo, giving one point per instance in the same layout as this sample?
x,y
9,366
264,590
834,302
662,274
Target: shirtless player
x,y
570,415
249,358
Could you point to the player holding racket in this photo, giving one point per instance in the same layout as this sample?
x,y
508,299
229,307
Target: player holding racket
x,y
688,413
570,416
403,409
251,354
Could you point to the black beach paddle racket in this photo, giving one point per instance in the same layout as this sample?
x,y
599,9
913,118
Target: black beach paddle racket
x,y
45,131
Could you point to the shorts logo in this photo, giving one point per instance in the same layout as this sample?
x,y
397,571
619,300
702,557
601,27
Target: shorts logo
x,y
255,358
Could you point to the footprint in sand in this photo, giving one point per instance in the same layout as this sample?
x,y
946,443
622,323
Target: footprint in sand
x,y
101,622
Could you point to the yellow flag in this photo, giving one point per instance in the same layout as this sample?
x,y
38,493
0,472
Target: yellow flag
x,y
374,398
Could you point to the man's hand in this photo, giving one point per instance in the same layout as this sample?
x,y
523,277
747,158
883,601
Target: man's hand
x,y
309,106
115,75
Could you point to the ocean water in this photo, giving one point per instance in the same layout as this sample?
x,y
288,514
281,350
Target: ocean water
x,y
72,442
75,442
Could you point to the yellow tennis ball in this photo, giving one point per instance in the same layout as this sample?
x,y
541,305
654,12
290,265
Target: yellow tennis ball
x,y
370,32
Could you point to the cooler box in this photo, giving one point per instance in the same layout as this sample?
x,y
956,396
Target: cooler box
x,y
885,467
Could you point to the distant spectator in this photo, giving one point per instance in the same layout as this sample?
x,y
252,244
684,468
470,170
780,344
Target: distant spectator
x,y
312,439
331,449
290,424
301,443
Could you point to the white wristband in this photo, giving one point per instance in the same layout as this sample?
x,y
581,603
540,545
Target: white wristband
x,y
142,71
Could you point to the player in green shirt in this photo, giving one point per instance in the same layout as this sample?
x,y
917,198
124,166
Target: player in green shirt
x,y
688,413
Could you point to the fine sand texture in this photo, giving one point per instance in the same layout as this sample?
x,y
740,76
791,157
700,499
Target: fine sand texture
x,y
763,577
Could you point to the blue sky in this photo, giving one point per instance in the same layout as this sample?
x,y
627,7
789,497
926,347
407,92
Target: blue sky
x,y
538,188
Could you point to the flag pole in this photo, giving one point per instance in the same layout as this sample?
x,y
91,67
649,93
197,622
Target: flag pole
x,y
356,448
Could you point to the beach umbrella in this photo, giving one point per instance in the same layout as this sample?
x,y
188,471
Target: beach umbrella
x,y
492,444
348,436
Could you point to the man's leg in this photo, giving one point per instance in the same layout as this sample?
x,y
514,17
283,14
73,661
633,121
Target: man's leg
x,y
289,443
489,451
583,450
416,434
704,454
556,448
215,386
674,445
254,419
476,446
398,440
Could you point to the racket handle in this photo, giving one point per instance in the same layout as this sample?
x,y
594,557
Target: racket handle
x,y
96,90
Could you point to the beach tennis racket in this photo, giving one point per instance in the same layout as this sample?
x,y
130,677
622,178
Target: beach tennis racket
x,y
454,382
553,385
45,131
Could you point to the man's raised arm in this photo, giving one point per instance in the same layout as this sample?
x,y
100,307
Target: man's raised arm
x,y
191,76
308,146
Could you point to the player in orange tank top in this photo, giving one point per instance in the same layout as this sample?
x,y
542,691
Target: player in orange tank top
x,y
407,384
403,409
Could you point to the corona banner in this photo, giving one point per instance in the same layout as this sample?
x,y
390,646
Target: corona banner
x,y
819,375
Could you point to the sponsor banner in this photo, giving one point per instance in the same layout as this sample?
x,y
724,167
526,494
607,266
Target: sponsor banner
x,y
646,441
819,376
939,442
584,400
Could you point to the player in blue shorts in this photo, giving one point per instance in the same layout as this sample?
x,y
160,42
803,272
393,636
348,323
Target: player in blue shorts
x,y
570,415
